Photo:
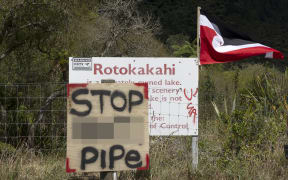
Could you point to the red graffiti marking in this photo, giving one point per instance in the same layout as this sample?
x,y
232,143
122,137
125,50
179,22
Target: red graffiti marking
x,y
195,92
192,111
71,86
68,170
192,95
145,89
147,164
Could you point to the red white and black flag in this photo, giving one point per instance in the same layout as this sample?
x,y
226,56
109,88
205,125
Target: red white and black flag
x,y
220,45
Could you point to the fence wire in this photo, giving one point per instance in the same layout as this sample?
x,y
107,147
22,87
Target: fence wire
x,y
33,115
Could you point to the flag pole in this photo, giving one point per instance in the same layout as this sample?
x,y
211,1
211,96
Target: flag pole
x,y
195,138
198,34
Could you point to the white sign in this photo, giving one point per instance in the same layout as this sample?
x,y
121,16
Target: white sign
x,y
173,87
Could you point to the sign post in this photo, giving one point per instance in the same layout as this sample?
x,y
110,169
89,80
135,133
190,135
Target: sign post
x,y
195,138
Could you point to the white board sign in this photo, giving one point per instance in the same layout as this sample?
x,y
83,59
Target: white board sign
x,y
173,87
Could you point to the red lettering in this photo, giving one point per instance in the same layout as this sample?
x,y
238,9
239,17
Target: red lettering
x,y
149,70
195,92
131,70
192,95
188,98
108,70
115,68
192,111
123,70
163,125
98,67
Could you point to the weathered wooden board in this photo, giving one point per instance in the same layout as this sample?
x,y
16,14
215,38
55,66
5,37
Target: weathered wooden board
x,y
107,127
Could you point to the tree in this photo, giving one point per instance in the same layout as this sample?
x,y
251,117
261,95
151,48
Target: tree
x,y
28,23
129,33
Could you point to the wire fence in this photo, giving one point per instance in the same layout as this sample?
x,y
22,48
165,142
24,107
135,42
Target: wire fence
x,y
33,115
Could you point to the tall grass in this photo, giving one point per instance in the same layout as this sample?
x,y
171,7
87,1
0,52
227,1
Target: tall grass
x,y
26,164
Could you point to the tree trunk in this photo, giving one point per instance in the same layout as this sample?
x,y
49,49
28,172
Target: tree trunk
x,y
32,125
4,119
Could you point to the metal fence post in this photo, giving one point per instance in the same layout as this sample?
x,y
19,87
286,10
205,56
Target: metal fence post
x,y
194,152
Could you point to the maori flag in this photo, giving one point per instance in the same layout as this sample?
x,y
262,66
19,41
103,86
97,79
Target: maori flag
x,y
220,45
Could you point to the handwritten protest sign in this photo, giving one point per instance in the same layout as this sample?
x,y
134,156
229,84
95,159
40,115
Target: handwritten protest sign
x,y
107,127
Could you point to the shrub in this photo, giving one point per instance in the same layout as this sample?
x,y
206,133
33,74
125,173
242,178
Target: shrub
x,y
251,132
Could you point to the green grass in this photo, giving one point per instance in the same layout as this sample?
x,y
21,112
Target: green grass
x,y
170,159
